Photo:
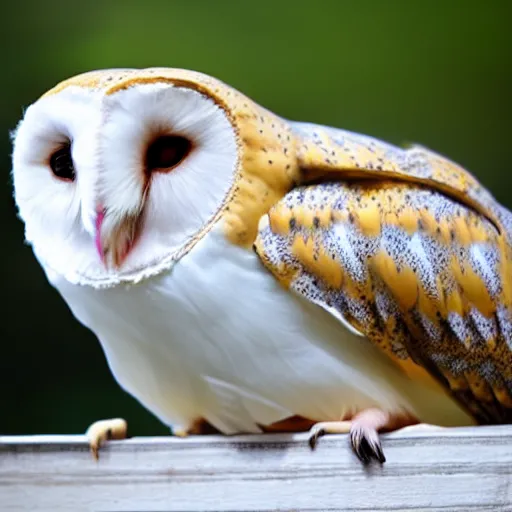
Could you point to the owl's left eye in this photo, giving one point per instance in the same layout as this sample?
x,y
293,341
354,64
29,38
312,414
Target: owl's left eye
x,y
61,164
166,152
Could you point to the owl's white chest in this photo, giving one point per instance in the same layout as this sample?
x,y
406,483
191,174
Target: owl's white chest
x,y
216,337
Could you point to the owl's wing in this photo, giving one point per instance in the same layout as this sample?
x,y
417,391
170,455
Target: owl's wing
x,y
424,277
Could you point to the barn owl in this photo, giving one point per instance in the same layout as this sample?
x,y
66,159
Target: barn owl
x,y
253,274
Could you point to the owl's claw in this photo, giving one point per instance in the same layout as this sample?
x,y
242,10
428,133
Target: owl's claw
x,y
366,444
327,427
104,430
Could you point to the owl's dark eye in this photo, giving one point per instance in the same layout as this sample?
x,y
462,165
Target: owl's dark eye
x,y
166,152
61,164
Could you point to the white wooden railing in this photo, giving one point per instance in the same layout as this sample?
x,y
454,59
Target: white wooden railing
x,y
449,470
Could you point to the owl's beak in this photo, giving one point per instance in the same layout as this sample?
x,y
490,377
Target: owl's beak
x,y
97,239
115,240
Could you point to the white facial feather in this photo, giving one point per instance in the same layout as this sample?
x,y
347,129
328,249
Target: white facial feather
x,y
109,137
58,215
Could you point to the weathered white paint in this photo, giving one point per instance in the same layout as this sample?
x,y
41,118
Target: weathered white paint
x,y
455,470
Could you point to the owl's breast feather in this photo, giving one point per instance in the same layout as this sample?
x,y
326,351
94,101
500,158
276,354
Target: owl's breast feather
x,y
218,338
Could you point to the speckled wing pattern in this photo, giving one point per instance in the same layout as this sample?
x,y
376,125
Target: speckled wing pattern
x,y
410,250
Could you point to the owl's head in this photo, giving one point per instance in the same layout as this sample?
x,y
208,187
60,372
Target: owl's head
x,y
118,173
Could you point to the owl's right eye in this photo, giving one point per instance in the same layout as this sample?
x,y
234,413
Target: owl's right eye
x,y
61,164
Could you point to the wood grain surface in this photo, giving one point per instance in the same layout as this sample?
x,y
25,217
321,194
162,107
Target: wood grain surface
x,y
449,470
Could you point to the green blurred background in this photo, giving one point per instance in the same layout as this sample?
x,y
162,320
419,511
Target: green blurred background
x,y
434,72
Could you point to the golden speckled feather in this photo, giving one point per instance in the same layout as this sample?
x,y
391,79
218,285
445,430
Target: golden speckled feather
x,y
412,252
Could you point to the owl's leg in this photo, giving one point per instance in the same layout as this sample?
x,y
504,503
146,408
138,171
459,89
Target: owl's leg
x,y
104,430
363,429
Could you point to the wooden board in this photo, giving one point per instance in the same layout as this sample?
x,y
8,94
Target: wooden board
x,y
449,470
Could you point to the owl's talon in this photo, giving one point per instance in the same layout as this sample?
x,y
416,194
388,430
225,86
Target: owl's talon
x,y
105,430
327,427
315,433
366,444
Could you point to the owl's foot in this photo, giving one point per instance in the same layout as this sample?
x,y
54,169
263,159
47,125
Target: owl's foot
x,y
365,441
104,430
363,429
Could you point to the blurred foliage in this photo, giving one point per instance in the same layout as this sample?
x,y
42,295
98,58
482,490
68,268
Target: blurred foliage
x,y
438,73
